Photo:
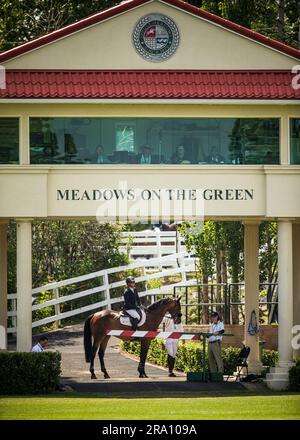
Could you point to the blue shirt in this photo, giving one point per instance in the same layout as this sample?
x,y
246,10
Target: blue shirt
x,y
216,328
37,348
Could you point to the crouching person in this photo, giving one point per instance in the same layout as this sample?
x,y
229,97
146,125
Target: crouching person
x,y
214,344
41,345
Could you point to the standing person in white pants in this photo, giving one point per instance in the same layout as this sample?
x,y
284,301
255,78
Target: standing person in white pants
x,y
171,344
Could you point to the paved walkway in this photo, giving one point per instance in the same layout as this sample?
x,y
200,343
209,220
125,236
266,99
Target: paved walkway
x,y
122,369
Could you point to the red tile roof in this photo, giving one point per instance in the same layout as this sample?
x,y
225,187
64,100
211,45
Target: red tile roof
x,y
131,4
145,84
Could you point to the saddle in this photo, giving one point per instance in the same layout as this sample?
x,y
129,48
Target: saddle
x,y
125,319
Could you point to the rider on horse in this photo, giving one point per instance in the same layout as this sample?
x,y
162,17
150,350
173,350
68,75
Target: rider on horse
x,y
132,302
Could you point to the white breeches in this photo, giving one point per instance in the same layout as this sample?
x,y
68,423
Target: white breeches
x,y
171,346
133,313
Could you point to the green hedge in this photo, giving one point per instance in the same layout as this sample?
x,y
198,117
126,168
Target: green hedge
x,y
294,376
189,355
29,373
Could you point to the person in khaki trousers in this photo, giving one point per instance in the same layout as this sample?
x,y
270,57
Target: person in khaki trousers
x,y
214,344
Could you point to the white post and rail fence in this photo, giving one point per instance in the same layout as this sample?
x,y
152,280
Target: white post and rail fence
x,y
177,264
151,244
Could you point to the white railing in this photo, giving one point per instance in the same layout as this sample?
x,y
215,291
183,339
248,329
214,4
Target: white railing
x,y
151,244
181,262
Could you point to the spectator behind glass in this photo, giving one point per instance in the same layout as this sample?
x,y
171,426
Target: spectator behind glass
x,y
180,156
47,155
145,156
99,156
215,156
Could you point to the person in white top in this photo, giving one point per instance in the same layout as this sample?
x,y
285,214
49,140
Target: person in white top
x,y
171,344
41,345
145,156
214,344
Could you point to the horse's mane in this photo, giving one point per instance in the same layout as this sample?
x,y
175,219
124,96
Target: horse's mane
x,y
159,303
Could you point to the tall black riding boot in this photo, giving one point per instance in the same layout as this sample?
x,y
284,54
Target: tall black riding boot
x,y
168,361
171,363
134,323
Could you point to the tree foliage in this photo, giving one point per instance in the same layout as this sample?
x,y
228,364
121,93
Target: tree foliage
x,y
215,245
21,21
205,242
278,19
268,252
64,249
219,252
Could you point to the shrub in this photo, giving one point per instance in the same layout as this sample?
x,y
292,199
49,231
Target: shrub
x,y
29,373
189,355
229,356
269,358
297,361
294,378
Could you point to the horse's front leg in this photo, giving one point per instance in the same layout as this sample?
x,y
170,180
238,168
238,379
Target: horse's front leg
x,y
143,356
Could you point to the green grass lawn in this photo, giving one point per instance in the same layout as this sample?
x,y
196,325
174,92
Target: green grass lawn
x,y
103,407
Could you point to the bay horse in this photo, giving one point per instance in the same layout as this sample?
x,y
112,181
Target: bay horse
x,y
96,325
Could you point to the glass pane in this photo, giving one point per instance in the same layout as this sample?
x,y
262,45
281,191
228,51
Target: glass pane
x,y
64,140
125,136
295,141
154,140
9,140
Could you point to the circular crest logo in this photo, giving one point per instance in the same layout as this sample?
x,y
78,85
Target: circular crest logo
x,y
155,37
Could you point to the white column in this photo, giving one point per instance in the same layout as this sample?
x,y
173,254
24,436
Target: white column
x,y
24,148
24,286
251,250
296,278
284,141
279,378
285,289
3,285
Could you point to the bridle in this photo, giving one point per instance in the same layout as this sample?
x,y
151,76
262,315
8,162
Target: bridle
x,y
177,315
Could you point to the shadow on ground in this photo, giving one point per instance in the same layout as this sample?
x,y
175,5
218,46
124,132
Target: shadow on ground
x,y
123,371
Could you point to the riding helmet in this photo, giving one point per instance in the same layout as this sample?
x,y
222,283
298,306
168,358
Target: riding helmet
x,y
130,280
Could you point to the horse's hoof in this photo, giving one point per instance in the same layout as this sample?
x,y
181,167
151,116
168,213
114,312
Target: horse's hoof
x,y
93,376
106,376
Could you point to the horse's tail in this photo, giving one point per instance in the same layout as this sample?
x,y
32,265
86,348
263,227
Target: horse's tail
x,y
87,339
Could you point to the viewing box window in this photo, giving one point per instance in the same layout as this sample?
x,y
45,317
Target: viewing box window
x,y
9,140
154,141
125,137
295,141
